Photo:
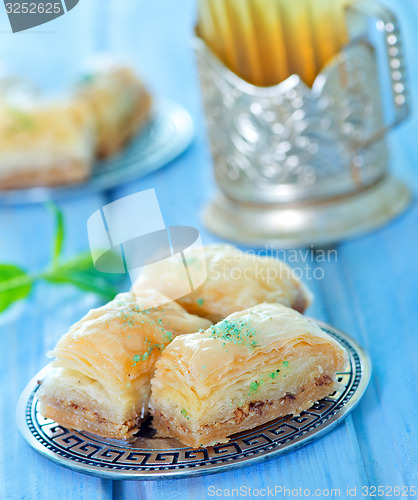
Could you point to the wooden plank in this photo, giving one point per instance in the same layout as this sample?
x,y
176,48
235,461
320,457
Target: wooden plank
x,y
378,301
28,331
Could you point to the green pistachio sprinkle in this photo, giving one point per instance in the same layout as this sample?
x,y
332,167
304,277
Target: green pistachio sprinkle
x,y
204,367
22,119
184,413
285,364
254,386
168,336
200,302
273,375
236,331
143,357
87,78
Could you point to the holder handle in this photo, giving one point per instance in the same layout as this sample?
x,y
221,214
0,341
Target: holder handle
x,y
387,24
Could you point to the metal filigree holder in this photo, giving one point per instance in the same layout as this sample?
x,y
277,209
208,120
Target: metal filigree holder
x,y
297,165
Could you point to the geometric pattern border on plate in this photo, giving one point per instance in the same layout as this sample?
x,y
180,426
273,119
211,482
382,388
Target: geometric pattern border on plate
x,y
152,458
168,133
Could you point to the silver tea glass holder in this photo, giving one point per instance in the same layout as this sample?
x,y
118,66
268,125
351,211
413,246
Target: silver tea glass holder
x,y
299,166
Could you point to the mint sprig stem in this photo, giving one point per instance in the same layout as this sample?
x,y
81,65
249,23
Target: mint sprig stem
x,y
16,283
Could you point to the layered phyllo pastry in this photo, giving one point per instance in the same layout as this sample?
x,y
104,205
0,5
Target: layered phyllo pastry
x,y
102,368
119,101
256,365
45,144
235,281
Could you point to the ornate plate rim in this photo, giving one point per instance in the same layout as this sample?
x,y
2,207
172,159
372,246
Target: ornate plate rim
x,y
162,110
362,371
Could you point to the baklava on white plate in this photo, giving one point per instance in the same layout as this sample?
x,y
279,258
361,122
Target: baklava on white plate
x,y
45,144
100,380
235,281
256,365
119,101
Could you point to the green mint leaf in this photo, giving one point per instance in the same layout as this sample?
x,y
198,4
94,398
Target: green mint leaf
x,y
84,281
79,262
59,230
15,284
84,262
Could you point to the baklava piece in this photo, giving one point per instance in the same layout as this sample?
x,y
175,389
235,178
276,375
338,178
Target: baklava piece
x,y
119,101
235,281
100,377
255,366
47,144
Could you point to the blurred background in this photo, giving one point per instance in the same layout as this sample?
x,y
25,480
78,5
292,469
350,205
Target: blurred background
x,y
144,35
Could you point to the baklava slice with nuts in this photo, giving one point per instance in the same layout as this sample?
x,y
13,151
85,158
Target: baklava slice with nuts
x,y
252,367
45,144
118,100
100,377
235,281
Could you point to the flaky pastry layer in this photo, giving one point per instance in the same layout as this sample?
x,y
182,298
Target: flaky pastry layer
x,y
235,281
119,101
268,353
247,417
58,172
104,364
45,144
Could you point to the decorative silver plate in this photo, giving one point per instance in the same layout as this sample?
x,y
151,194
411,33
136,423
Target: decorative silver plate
x,y
157,458
167,135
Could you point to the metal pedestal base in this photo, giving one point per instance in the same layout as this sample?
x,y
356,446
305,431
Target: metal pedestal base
x,y
317,223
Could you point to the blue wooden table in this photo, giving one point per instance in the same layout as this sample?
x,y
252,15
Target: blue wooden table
x,y
370,291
